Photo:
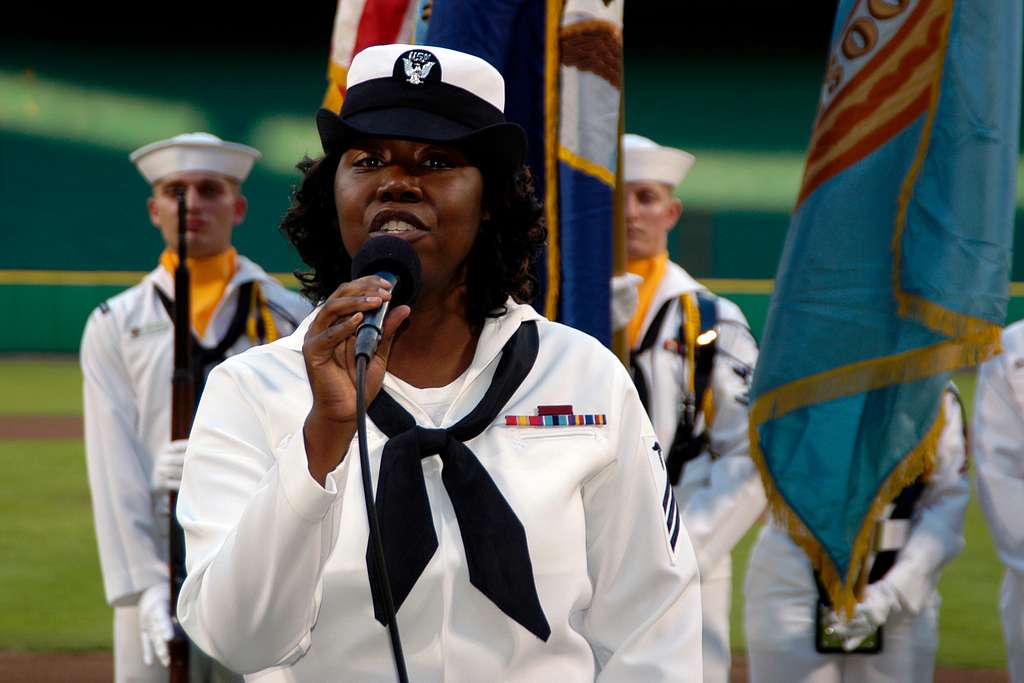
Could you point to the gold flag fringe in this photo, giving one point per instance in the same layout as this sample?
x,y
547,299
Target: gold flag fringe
x,y
858,378
944,321
846,592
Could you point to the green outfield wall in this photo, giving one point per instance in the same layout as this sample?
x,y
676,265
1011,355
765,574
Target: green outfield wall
x,y
57,312
73,224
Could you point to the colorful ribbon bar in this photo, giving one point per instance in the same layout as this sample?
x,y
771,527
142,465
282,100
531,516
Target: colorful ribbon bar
x,y
554,420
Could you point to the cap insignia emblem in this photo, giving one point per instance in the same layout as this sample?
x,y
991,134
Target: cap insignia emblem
x,y
417,66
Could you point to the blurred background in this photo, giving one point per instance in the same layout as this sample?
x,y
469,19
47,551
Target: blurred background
x,y
80,87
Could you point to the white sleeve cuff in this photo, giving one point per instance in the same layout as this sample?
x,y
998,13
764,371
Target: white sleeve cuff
x,y
303,493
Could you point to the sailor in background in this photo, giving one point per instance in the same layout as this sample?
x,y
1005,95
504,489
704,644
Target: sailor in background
x,y
999,454
793,635
127,361
692,356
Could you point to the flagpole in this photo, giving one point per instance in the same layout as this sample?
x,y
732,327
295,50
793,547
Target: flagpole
x,y
619,344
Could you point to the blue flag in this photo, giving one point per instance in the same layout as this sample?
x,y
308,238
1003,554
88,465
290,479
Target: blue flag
x,y
896,266
561,60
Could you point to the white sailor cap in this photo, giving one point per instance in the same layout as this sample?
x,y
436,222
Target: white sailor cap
x,y
194,152
645,159
424,93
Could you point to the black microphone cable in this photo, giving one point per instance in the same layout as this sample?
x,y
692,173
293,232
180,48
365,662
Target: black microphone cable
x,y
371,514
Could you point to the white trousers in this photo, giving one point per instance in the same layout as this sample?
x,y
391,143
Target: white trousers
x,y
900,661
779,616
129,667
1011,609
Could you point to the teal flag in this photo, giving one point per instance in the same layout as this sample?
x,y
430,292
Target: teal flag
x,y
896,266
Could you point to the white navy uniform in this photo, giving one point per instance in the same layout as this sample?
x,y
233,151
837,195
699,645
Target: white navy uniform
x,y
277,563
998,445
720,491
781,595
127,357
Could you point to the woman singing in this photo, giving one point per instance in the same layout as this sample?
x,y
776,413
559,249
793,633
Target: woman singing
x,y
529,530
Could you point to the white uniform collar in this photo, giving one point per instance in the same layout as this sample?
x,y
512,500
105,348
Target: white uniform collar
x,y
246,271
677,282
495,333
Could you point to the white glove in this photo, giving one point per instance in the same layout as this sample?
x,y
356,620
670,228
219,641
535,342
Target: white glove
x,y
880,600
167,468
155,623
625,297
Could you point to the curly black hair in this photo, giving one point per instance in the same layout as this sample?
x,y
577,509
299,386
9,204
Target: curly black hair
x,y
499,264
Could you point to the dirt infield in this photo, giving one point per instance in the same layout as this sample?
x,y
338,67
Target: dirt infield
x,y
56,667
40,427
98,667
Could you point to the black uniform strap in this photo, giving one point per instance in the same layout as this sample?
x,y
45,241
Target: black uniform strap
x,y
204,358
685,444
281,312
903,508
704,354
650,337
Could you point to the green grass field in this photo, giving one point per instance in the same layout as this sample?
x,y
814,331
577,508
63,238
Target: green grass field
x,y
51,596
40,385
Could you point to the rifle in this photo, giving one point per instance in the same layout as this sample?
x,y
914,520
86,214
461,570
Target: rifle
x,y
182,412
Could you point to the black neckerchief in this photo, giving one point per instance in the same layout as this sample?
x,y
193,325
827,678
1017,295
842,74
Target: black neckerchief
x,y
496,551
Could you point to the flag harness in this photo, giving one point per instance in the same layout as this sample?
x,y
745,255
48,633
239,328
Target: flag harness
x,y
698,346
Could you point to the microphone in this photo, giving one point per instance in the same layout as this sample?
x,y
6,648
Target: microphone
x,y
393,259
